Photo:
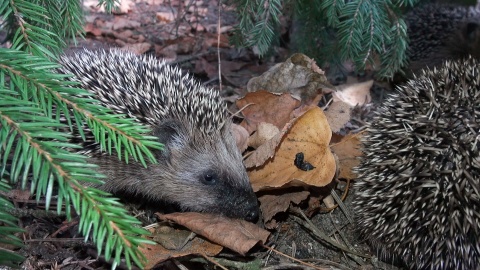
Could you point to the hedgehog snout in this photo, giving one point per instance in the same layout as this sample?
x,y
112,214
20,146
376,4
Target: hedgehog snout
x,y
240,203
253,212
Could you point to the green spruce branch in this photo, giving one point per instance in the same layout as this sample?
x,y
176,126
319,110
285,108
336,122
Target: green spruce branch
x,y
36,148
258,23
7,229
366,32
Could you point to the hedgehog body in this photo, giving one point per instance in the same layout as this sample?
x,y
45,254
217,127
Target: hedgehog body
x,y
200,168
418,186
439,32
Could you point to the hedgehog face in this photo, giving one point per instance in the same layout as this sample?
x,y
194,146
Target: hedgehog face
x,y
204,172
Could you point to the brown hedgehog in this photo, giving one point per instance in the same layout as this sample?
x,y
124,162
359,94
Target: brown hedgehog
x,y
200,168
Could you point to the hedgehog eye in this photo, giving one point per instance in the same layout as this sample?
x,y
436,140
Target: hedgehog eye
x,y
210,178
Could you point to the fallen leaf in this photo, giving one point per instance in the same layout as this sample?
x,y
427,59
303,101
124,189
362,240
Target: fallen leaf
x,y
235,234
19,195
156,254
202,66
121,23
211,40
299,75
354,94
229,67
267,150
310,135
264,133
164,17
348,151
338,114
241,137
263,106
138,48
272,204
91,28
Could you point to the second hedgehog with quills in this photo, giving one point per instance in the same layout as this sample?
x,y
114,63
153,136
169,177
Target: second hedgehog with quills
x,y
418,186
200,168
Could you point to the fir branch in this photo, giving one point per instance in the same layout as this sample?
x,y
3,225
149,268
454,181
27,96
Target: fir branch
x,y
66,18
335,31
110,5
47,88
258,22
36,147
332,11
393,58
33,102
37,151
33,32
8,227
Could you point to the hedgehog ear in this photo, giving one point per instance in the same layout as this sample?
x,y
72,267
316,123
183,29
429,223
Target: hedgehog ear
x,y
168,133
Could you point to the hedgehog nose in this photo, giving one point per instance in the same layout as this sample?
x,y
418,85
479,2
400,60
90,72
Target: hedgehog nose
x,y
252,214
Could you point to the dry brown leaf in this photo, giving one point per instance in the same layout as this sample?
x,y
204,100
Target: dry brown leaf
x,y
265,132
266,107
19,195
211,40
202,66
241,137
338,114
268,149
348,153
310,134
229,67
299,75
121,23
273,204
235,234
354,94
138,48
156,254
165,17
90,28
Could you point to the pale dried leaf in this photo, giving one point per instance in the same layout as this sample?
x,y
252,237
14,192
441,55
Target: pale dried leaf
x,y
355,94
310,134
348,151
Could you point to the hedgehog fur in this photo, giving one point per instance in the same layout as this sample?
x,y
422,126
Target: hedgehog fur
x,y
439,32
418,186
200,168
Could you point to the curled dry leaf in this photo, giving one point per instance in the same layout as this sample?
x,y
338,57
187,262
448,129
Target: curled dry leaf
x,y
354,94
175,243
338,114
241,137
299,75
271,204
348,151
235,234
310,134
263,106
267,150
265,132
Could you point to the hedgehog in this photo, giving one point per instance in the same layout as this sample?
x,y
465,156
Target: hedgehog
x,y
439,32
418,187
200,168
